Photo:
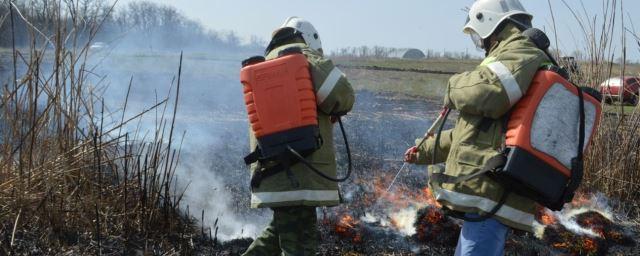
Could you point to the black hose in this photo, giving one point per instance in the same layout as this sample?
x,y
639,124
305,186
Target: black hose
x,y
438,135
314,169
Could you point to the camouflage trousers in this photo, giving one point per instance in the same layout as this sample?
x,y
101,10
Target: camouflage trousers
x,y
292,231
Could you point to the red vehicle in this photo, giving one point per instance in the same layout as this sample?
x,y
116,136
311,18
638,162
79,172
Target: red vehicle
x,y
623,89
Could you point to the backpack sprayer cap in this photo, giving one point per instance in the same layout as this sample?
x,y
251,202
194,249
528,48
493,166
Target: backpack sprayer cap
x,y
252,60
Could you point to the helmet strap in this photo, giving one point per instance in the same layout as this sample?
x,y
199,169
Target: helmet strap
x,y
487,45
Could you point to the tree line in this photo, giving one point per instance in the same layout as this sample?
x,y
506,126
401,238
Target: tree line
x,y
138,25
391,52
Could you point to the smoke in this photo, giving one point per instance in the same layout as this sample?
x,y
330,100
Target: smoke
x,y
582,203
211,123
210,195
405,219
211,126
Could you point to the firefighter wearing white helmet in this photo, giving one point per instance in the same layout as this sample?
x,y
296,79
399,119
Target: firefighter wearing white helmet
x,y
486,15
299,28
483,98
294,198
306,29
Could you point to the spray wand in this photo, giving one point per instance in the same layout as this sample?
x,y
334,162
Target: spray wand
x,y
430,132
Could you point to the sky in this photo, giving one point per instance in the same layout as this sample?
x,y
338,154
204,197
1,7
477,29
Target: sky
x,y
422,24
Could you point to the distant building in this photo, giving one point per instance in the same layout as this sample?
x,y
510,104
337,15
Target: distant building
x,y
408,53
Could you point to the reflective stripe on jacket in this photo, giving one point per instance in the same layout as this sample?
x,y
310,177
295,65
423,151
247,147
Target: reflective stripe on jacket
x,y
483,98
335,96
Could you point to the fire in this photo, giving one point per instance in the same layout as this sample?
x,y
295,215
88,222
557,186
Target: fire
x,y
584,227
547,218
590,245
428,198
347,227
561,245
433,227
346,223
434,217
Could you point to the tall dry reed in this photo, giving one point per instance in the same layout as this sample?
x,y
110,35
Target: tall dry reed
x,y
71,179
613,160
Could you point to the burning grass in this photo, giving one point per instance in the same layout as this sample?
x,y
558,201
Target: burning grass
x,y
433,227
407,219
607,234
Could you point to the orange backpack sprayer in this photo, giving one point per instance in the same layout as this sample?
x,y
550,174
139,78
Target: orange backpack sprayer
x,y
547,133
544,153
281,106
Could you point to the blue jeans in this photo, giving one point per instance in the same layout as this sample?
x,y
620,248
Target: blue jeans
x,y
484,238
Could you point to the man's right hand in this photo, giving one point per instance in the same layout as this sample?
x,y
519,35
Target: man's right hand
x,y
411,155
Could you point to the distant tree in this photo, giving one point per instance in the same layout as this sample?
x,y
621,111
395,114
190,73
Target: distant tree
x,y
139,25
233,39
257,42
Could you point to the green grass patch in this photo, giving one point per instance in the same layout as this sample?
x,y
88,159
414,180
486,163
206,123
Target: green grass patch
x,y
457,66
413,84
619,108
409,83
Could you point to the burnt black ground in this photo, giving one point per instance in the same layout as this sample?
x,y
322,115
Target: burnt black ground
x,y
380,128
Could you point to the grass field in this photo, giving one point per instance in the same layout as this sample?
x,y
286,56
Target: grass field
x,y
433,85
408,83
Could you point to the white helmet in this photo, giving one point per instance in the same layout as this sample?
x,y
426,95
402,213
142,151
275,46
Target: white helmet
x,y
308,32
486,15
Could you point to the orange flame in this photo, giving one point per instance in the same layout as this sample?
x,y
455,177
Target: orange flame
x,y
428,198
346,223
434,217
590,245
561,245
347,228
547,218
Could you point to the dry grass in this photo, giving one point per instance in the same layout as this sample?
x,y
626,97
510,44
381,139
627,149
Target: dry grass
x,y
613,161
71,178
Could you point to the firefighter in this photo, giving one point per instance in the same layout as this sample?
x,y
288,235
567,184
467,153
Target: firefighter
x,y
483,98
294,198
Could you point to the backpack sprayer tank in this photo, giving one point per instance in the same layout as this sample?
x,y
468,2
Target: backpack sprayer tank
x,y
543,138
547,134
281,104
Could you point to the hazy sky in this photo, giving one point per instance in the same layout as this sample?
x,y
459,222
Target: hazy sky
x,y
423,24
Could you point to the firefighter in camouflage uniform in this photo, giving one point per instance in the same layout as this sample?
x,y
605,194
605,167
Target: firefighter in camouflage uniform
x,y
483,98
294,198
